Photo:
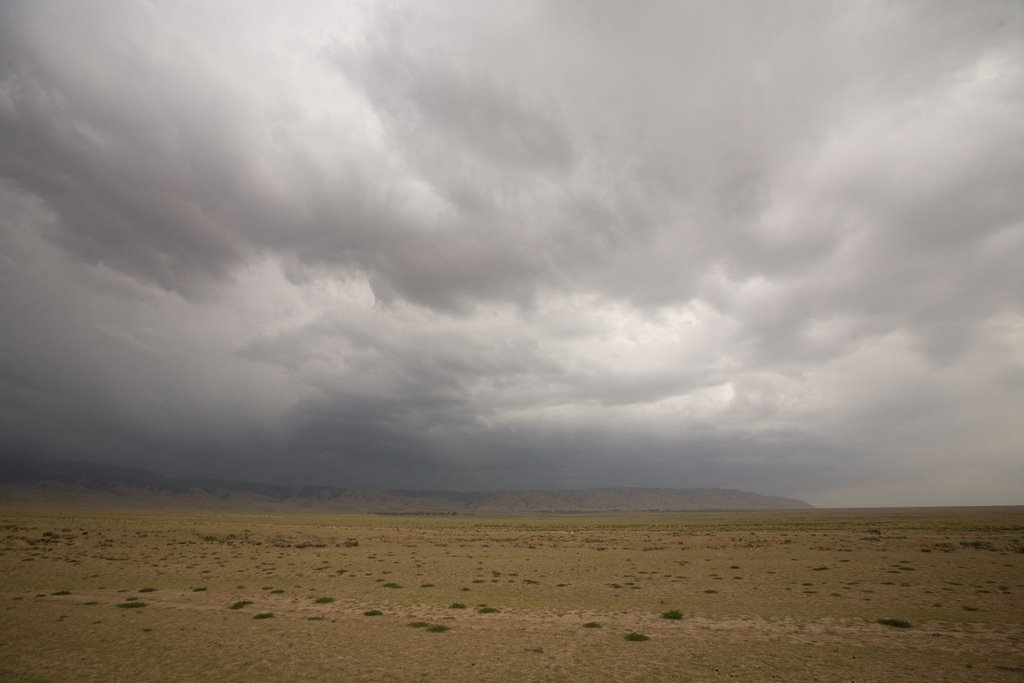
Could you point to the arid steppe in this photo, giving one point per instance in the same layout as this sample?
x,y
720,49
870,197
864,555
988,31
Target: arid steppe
x,y
112,594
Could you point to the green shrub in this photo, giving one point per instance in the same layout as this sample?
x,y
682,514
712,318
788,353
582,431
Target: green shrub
x,y
324,601
392,585
372,613
672,614
199,589
437,628
488,610
591,624
131,604
419,624
636,637
895,623
457,605
264,615
240,604
147,589
61,593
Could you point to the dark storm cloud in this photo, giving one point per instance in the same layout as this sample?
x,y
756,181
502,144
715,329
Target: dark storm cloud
x,y
545,244
123,148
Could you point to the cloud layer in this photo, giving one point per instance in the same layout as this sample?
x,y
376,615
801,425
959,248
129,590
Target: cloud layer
x,y
773,247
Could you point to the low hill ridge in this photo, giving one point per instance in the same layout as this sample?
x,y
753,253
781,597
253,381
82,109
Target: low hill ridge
x,y
25,479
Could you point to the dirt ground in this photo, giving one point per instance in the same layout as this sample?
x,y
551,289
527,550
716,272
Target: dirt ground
x,y
100,595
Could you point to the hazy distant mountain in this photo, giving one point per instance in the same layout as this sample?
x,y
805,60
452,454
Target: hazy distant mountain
x,y
25,479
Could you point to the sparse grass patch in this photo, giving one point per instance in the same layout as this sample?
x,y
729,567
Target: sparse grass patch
x,y
488,610
418,624
372,613
672,614
324,601
591,624
199,589
895,623
240,604
61,593
437,628
636,637
391,584
147,589
457,605
131,604
264,615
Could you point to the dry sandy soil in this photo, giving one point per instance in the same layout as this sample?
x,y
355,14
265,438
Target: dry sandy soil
x,y
783,596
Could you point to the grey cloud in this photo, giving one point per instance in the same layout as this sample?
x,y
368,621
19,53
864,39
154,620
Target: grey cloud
x,y
442,107
123,158
767,246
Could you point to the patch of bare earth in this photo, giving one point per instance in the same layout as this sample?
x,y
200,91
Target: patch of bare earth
x,y
96,595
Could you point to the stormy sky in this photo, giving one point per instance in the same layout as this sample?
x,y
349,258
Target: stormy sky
x,y
775,246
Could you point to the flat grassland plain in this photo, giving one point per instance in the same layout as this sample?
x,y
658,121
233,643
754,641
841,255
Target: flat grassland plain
x,y
139,595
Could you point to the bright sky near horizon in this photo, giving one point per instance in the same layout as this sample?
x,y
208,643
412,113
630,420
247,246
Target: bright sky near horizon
x,y
461,245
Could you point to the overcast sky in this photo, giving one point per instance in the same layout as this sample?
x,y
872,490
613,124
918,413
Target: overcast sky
x,y
775,246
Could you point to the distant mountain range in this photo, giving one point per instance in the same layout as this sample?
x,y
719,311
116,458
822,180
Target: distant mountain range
x,y
26,480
